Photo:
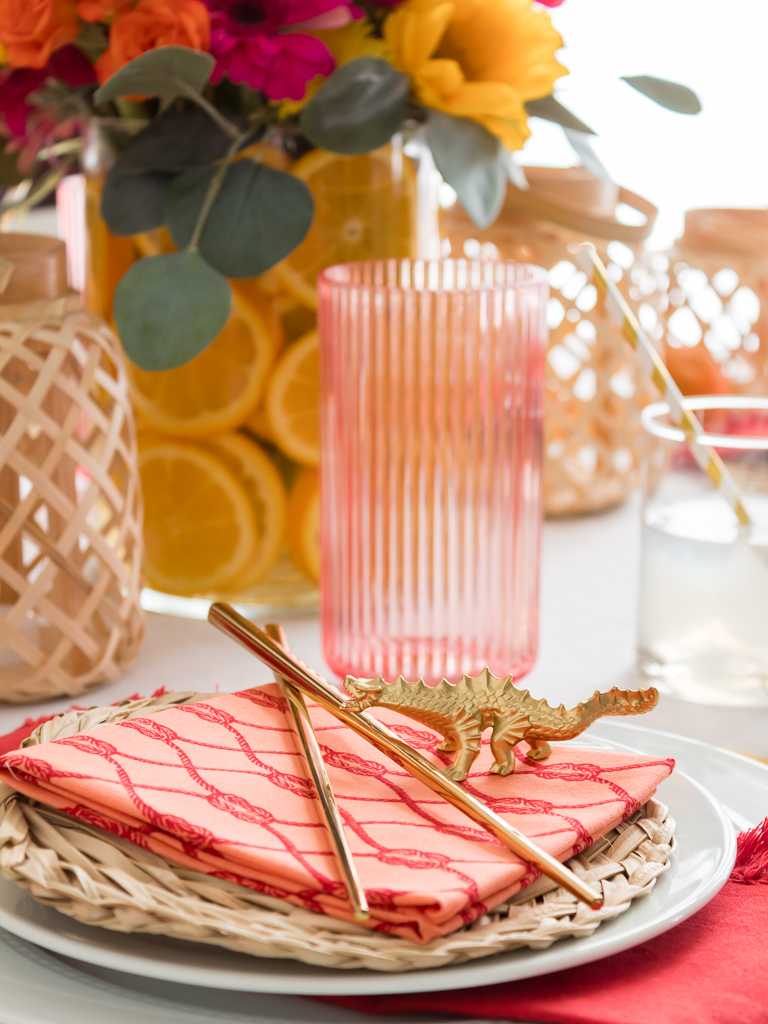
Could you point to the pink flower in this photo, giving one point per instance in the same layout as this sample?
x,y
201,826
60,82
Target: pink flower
x,y
252,42
16,84
547,3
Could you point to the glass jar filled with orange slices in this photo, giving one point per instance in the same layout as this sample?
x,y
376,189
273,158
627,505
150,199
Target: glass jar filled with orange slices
x,y
229,445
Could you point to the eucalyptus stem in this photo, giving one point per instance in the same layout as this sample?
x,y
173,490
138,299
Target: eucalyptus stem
x,y
213,189
224,123
40,190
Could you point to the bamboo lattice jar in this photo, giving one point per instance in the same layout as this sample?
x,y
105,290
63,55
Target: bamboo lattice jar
x,y
594,386
717,323
70,501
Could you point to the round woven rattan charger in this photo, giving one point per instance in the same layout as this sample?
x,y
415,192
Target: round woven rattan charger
x,y
100,879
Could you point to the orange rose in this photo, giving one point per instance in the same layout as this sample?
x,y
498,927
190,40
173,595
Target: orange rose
x,y
30,30
97,10
153,23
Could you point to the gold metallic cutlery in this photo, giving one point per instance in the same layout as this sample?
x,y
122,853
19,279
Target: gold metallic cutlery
x,y
225,618
307,741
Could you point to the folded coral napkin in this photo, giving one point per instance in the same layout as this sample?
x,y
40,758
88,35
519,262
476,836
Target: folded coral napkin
x,y
220,787
708,970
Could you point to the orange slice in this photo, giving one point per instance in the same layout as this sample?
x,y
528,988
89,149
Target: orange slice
x,y
264,487
216,390
365,208
303,524
200,530
293,395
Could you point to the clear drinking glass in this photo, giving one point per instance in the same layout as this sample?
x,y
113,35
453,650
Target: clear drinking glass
x,y
431,453
703,625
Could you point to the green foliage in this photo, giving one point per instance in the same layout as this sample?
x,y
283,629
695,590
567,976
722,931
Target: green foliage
x,y
472,161
9,172
134,201
179,139
671,95
165,71
169,308
258,216
358,108
550,109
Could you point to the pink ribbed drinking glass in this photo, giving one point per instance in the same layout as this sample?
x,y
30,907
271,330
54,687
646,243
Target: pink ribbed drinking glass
x,y
431,416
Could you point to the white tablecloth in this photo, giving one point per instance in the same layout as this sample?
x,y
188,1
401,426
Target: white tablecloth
x,y
587,641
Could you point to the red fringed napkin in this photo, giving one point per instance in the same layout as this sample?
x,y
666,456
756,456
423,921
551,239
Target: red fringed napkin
x,y
711,969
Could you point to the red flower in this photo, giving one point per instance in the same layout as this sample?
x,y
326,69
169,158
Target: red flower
x,y
251,44
67,64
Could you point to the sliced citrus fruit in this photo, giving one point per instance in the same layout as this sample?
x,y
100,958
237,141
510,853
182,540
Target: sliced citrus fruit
x,y
265,490
303,524
154,242
258,424
216,390
365,208
200,530
296,319
293,394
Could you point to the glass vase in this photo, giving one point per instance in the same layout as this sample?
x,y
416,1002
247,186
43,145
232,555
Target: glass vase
x,y
241,418
703,596
431,429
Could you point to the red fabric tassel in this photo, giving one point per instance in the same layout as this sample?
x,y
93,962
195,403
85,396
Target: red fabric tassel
x,y
752,856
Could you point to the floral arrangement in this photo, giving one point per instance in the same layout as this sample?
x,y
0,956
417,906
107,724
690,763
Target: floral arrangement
x,y
199,87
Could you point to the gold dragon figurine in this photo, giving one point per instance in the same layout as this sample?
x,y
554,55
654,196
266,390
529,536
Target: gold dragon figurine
x,y
461,713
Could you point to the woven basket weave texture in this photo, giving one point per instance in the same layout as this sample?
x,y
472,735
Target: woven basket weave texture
x,y
70,507
103,880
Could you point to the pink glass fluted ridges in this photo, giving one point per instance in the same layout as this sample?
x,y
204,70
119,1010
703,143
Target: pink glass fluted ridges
x,y
431,454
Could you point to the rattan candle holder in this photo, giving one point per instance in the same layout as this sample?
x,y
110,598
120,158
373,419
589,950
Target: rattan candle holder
x,y
70,500
594,387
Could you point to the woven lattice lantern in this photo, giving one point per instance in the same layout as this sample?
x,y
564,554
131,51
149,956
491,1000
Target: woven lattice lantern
x,y
594,387
70,502
717,323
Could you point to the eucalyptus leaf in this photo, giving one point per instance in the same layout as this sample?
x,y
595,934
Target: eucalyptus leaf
x,y
169,308
473,163
258,217
164,71
671,95
589,158
550,109
178,140
358,108
134,201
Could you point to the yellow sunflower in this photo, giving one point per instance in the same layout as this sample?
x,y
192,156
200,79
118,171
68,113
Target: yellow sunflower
x,y
481,59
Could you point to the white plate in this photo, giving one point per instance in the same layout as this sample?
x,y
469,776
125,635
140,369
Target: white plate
x,y
38,988
705,854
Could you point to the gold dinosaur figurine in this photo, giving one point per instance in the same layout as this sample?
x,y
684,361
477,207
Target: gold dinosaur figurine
x,y
461,713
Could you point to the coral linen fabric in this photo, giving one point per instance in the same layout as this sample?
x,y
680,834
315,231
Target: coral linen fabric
x,y
219,786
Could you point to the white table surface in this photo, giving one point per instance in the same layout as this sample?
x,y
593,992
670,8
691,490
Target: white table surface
x,y
587,641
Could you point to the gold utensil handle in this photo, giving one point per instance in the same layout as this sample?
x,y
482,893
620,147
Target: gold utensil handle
x,y
225,618
307,740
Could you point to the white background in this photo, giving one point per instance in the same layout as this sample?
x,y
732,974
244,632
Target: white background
x,y
717,48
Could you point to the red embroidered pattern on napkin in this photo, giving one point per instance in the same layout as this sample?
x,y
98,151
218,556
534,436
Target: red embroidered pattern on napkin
x,y
219,787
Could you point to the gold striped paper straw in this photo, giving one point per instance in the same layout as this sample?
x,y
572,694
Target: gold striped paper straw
x,y
619,310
